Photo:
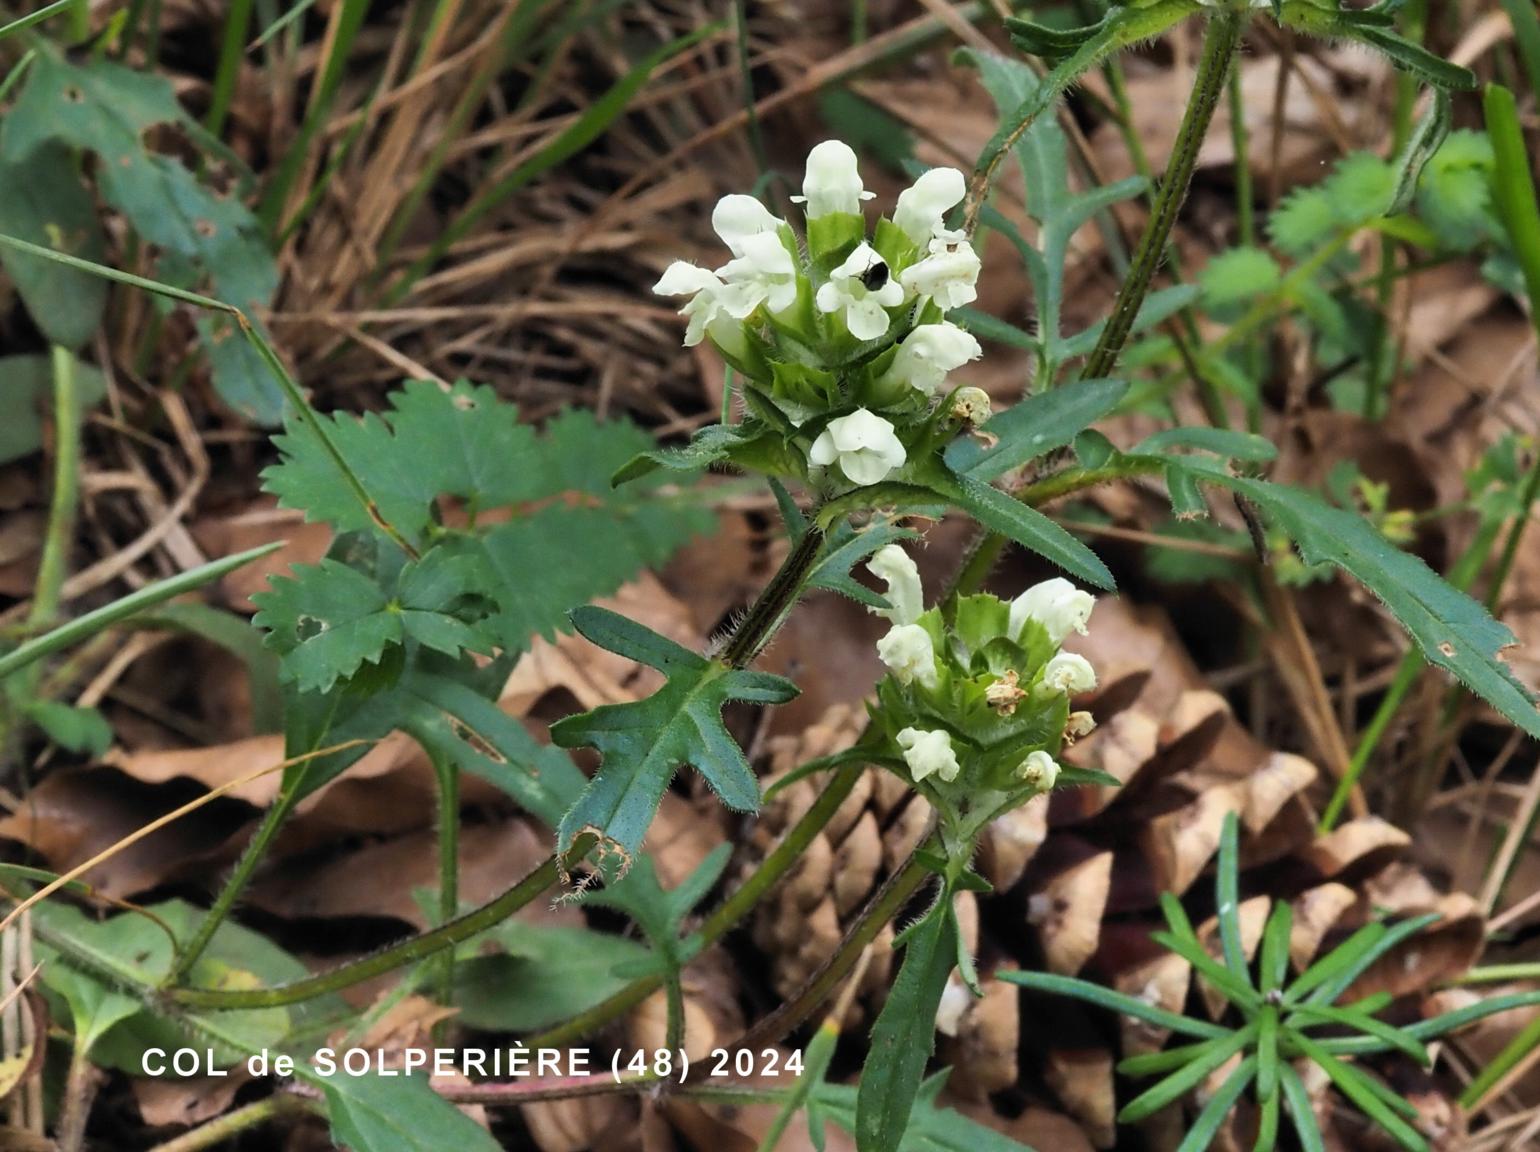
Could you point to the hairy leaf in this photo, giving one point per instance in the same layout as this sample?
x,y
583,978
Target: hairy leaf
x,y
372,1113
1035,426
645,742
43,201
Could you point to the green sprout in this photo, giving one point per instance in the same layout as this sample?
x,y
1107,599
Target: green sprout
x,y
1276,1024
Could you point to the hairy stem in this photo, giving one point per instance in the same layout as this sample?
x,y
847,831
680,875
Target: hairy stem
x,y
75,1106
256,848
767,612
232,1124
397,955
448,874
1219,44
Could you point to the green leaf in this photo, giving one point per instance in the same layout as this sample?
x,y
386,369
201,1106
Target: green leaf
x,y
1035,426
373,1113
1455,193
1027,527
94,1007
1453,631
1513,186
543,975
27,381
329,619
645,742
931,1129
1297,1097
1206,1127
203,238
713,444
1355,1087
75,729
904,1035
43,201
846,547
1114,1001
1396,1038
1179,1083
1275,946
1227,893
1237,276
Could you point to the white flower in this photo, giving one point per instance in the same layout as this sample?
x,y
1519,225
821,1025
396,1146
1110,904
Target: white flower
x,y
864,445
929,353
896,567
1069,673
922,206
864,289
1039,770
1057,605
956,999
764,272
907,651
832,183
737,217
927,752
947,275
712,303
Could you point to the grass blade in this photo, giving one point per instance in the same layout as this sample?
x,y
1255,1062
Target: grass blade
x,y
1206,1127
1275,946
83,627
1179,1083
1361,1021
1300,1112
1227,887
1115,1001
1355,1086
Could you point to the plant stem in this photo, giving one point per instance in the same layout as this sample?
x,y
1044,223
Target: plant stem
x,y
223,1128
397,955
727,914
256,848
1219,43
66,490
1498,1072
75,1107
767,612
887,903
448,873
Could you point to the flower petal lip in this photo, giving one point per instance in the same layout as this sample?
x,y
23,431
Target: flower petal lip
x,y
1057,605
681,278
907,651
929,352
832,182
895,567
927,752
738,217
1069,673
922,206
863,443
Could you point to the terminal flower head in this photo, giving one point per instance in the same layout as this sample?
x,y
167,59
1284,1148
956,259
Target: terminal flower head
x,y
832,182
931,351
863,289
922,206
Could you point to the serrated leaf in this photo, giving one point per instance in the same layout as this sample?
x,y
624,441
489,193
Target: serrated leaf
x,y
645,742
43,202
1453,631
1238,275
328,619
711,445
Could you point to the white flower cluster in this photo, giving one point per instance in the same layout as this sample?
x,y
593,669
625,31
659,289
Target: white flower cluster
x,y
910,655
842,292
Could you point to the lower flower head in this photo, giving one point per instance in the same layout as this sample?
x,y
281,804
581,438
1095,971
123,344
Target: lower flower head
x,y
928,752
863,444
906,596
909,654
1057,605
1039,770
1068,673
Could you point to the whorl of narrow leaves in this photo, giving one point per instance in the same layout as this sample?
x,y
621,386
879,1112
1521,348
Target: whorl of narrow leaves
x,y
645,742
